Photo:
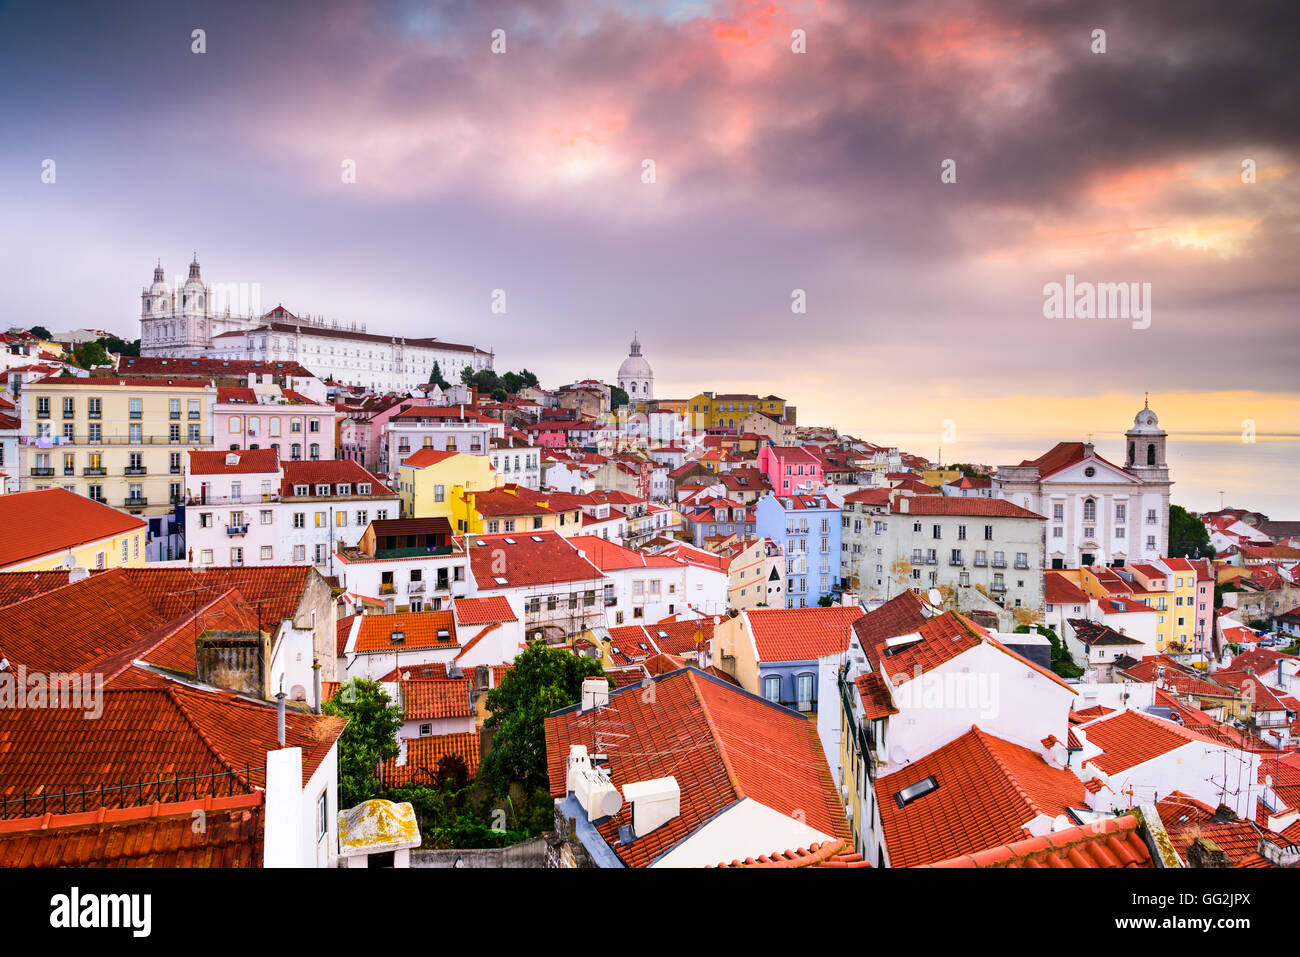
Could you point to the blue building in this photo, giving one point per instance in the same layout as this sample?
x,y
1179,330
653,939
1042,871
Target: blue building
x,y
808,527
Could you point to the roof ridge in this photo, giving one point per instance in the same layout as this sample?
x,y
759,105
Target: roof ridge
x,y
723,756
984,738
172,692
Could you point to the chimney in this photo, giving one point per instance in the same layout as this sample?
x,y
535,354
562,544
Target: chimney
x,y
595,693
654,803
279,718
1203,852
315,682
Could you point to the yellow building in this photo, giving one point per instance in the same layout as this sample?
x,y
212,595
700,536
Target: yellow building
x,y
936,477
514,508
728,411
1154,588
54,528
431,482
117,441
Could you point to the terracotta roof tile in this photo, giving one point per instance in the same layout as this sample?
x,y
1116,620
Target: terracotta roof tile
x,y
49,520
720,743
1110,843
800,634
987,790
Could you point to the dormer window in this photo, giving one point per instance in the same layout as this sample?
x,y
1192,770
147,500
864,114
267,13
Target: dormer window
x,y
301,489
322,489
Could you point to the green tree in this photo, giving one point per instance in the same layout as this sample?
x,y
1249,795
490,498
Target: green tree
x,y
542,680
369,738
617,397
530,380
969,471
499,395
1188,537
512,382
435,377
40,332
1062,661
467,375
120,346
90,354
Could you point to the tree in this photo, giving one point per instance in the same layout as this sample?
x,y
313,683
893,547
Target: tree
x,y
617,397
968,471
1188,537
541,681
90,354
120,346
467,375
435,377
499,395
369,738
40,332
1062,661
530,380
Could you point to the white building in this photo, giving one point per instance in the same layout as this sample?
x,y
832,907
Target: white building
x,y
974,546
196,321
408,564
1097,512
516,461
249,508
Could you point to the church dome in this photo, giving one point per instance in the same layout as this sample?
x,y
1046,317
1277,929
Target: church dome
x,y
1146,420
635,366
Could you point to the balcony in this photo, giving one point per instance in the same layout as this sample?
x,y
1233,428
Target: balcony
x,y
42,472
233,499
94,471
981,563
101,439
135,501
236,530
998,587
42,413
1022,565
957,562
999,563
387,588
415,588
135,470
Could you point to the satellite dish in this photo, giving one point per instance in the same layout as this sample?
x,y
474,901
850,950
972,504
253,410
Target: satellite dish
x,y
1061,822
936,599
898,754
1268,780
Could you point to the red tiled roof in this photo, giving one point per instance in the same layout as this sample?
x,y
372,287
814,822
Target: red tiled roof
x,y
800,634
1187,819
153,365
825,854
988,789
720,743
1129,738
331,472
1110,843
960,505
483,611
423,458
246,460
609,556
418,628
877,702
424,700
18,586
161,835
1061,456
943,638
48,520
148,735
1059,590
527,561
423,755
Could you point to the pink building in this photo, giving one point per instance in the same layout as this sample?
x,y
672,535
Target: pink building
x,y
788,467
265,416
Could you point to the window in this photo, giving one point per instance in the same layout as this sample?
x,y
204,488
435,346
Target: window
x,y
236,424
174,409
267,553
136,433
772,688
937,531
193,408
299,519
320,520
194,434
440,493
43,407
314,425
961,533
323,814
94,407
69,408
804,689
341,519
205,556
205,519
300,553
1121,513
1089,510
1058,512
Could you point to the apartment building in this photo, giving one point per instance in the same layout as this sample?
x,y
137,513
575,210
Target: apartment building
x,y
117,441
249,508
920,542
807,529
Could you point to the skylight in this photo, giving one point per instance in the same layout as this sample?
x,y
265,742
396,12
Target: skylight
x,y
913,791
397,637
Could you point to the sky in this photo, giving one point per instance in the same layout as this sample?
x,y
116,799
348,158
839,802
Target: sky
x,y
776,175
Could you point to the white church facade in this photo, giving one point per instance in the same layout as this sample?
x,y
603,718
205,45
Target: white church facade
x,y
188,322
1098,513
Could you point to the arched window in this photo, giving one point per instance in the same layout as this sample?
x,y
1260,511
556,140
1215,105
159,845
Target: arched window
x,y
1089,510
315,451
1151,454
